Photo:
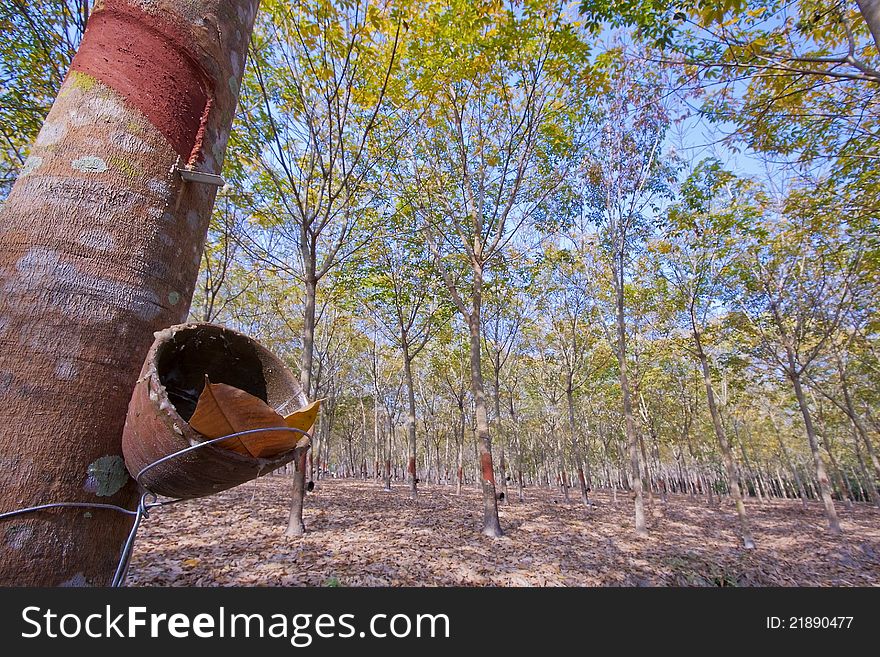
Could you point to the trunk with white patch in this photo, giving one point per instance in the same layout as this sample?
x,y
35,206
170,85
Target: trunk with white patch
x,y
100,245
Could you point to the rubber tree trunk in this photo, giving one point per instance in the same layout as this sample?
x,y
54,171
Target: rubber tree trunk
x,y
295,524
821,475
575,447
631,437
100,245
491,523
838,475
389,444
502,463
721,436
518,447
460,472
867,480
870,10
561,462
856,420
502,466
649,488
410,421
802,491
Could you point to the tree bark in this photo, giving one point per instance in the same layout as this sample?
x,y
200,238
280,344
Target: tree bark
x,y
295,524
561,477
870,10
410,419
631,437
100,246
582,482
854,417
721,436
388,448
518,447
491,523
802,491
821,476
868,481
502,464
649,487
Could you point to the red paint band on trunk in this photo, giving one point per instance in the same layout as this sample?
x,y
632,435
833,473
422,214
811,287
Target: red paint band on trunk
x,y
166,85
486,467
411,467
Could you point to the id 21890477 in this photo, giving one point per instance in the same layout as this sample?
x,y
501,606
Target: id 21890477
x,y
809,622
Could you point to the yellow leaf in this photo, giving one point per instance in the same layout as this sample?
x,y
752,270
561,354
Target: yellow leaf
x,y
223,409
304,418
191,562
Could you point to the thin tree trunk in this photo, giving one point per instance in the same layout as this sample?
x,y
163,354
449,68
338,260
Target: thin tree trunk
x,y
802,491
446,462
821,476
631,437
870,10
295,525
491,523
838,475
410,420
866,477
721,436
518,448
460,473
854,417
560,450
502,464
783,493
377,439
388,447
100,247
572,432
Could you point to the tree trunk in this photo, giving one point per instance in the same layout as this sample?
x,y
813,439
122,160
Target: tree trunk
x,y
460,474
631,437
802,491
410,420
560,450
518,447
866,477
295,525
100,246
649,488
838,476
721,435
783,493
388,448
572,430
870,10
821,476
502,464
445,462
491,523
854,417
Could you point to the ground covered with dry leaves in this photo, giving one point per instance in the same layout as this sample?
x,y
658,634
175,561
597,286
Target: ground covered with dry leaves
x,y
359,535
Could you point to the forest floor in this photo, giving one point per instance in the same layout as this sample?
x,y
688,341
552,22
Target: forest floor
x,y
359,535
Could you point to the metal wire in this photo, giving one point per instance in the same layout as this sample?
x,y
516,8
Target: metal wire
x,y
148,500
